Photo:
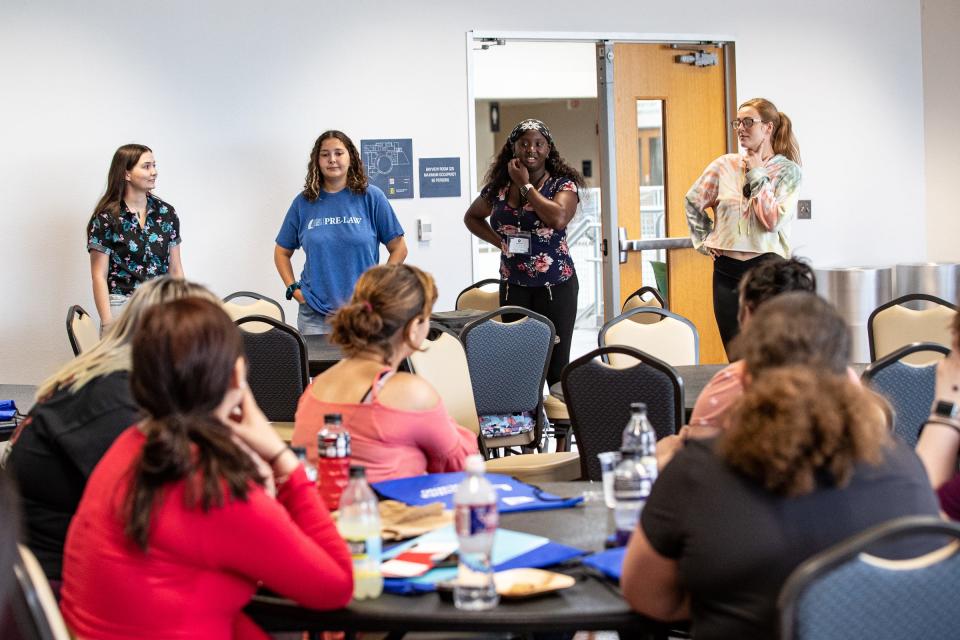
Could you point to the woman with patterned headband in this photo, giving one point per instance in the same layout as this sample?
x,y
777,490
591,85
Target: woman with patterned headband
x,y
530,196
753,195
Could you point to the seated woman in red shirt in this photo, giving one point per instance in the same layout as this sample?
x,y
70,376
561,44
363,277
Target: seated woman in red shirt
x,y
398,425
188,511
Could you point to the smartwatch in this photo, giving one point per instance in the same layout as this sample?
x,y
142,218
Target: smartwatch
x,y
293,287
946,409
525,189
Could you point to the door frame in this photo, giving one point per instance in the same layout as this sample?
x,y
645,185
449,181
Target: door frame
x,y
607,169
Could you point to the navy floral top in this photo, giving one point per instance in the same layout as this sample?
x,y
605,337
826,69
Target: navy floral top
x,y
549,262
136,254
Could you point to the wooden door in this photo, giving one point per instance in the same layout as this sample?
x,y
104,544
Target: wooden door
x,y
694,132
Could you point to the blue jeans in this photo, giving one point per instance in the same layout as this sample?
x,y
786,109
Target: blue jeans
x,y
311,322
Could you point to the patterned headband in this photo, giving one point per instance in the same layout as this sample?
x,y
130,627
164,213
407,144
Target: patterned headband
x,y
530,124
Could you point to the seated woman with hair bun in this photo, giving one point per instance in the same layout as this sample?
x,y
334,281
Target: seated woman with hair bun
x,y
806,462
397,422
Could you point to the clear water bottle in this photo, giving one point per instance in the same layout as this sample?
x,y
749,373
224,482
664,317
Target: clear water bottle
x,y
333,460
640,438
631,488
309,469
476,519
359,526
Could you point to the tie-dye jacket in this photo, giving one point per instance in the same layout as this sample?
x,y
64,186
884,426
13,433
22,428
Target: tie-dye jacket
x,y
755,219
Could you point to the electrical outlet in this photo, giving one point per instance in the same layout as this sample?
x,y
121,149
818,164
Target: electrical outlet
x,y
804,210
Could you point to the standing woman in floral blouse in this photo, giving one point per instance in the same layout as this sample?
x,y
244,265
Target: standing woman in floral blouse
x,y
133,235
530,196
753,195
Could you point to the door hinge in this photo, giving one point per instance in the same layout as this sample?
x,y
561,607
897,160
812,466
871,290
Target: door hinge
x,y
603,248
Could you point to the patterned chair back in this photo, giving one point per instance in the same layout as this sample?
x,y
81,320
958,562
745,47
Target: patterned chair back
x,y
598,397
277,368
845,592
908,388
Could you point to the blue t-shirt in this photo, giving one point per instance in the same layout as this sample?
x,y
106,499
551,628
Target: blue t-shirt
x,y
341,234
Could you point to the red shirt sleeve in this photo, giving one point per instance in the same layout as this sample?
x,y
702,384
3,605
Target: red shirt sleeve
x,y
290,544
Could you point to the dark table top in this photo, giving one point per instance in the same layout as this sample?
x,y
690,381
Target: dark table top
x,y
592,603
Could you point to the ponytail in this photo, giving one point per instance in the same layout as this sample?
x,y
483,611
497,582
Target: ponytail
x,y
784,142
196,448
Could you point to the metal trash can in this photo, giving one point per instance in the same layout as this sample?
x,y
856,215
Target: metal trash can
x,y
856,292
934,278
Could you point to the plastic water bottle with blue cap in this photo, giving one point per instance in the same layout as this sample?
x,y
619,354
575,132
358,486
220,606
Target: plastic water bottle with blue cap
x,y
476,519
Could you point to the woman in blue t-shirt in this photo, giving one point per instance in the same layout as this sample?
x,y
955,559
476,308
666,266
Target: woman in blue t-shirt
x,y
530,196
340,221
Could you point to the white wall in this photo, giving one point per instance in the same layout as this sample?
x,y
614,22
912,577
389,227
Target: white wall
x,y
941,118
231,95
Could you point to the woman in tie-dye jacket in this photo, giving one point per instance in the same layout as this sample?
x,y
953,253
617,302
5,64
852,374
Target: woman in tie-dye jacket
x,y
753,195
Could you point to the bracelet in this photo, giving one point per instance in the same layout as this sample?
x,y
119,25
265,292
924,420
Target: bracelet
x,y
947,422
293,287
277,455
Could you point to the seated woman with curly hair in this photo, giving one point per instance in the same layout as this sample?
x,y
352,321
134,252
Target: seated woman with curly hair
x,y
807,461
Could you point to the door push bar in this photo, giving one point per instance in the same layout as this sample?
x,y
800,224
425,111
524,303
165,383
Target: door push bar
x,y
650,244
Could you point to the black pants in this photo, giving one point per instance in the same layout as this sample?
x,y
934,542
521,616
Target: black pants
x,y
727,273
559,304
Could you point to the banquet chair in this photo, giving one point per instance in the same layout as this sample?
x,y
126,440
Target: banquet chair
x,y
599,396
637,300
82,330
33,607
260,306
276,367
908,388
847,592
442,361
477,297
673,339
893,325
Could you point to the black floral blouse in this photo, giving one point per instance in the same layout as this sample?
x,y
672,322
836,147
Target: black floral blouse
x,y
136,254
549,262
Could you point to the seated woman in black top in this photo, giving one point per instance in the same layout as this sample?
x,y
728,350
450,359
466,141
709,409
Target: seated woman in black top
x,y
80,411
807,462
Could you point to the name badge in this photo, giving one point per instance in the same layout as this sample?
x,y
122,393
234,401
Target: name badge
x,y
519,243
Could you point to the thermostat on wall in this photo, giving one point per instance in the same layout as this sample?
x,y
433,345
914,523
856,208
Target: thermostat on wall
x,y
424,230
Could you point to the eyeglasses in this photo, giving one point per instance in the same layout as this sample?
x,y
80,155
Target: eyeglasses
x,y
746,122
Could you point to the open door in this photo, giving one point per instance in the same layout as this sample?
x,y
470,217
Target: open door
x,y
666,111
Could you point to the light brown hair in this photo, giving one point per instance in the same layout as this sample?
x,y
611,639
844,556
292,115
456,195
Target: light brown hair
x,y
783,141
386,299
356,174
800,418
124,159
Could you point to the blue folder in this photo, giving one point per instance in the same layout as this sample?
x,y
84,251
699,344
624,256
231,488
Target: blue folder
x,y
512,495
609,562
8,409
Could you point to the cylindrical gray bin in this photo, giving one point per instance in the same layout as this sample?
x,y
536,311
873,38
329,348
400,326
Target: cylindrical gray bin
x,y
934,278
855,292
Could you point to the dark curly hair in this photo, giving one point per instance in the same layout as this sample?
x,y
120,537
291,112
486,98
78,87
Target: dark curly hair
x,y
775,275
497,177
356,174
